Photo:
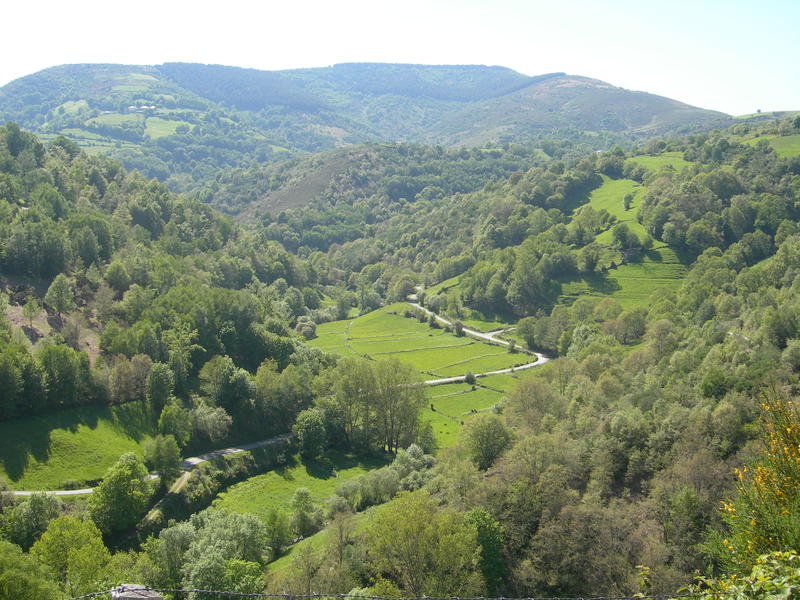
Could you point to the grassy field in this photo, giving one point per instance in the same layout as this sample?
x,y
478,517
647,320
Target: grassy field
x,y
263,493
631,284
454,404
156,127
784,145
78,444
609,196
443,285
386,332
117,119
654,163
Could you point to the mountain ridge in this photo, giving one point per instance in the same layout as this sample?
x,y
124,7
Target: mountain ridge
x,y
181,122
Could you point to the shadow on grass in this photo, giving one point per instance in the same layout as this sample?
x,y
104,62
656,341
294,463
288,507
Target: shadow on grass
x,y
28,438
325,468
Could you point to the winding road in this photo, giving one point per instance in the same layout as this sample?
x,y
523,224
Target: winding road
x,y
190,463
187,465
487,337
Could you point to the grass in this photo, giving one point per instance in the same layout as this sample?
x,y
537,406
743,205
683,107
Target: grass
x,y
654,163
609,196
454,404
156,127
76,444
117,119
442,285
631,284
386,332
263,493
316,543
504,383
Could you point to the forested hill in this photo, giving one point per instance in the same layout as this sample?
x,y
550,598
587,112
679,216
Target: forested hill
x,y
183,122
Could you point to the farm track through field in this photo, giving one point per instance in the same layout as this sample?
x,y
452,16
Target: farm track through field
x,y
187,465
490,337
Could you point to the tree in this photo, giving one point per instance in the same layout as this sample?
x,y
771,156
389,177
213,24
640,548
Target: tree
x,y
486,439
75,551
159,386
31,310
176,421
436,555
490,539
161,454
26,521
310,431
122,496
306,518
117,276
59,295
762,517
21,576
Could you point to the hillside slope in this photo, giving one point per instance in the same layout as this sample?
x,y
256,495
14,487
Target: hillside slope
x,y
181,122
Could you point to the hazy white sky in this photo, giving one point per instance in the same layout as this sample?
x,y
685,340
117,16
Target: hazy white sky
x,y
736,56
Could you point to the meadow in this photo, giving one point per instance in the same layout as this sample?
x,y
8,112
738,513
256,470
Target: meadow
x,y
654,163
784,145
263,493
387,333
631,284
44,452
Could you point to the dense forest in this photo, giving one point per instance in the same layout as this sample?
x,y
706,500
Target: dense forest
x,y
659,444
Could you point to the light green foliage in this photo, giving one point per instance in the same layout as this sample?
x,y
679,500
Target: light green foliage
x,y
21,576
24,522
162,455
762,516
306,518
60,295
159,386
122,496
30,310
75,551
262,495
310,431
434,556
375,402
221,538
486,438
773,576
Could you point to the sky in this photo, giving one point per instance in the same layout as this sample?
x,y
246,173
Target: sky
x,y
735,56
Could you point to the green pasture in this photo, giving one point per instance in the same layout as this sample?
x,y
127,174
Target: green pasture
x,y
504,383
156,127
633,283
263,493
77,444
502,359
72,107
609,196
117,119
485,325
443,285
786,145
654,163
454,404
